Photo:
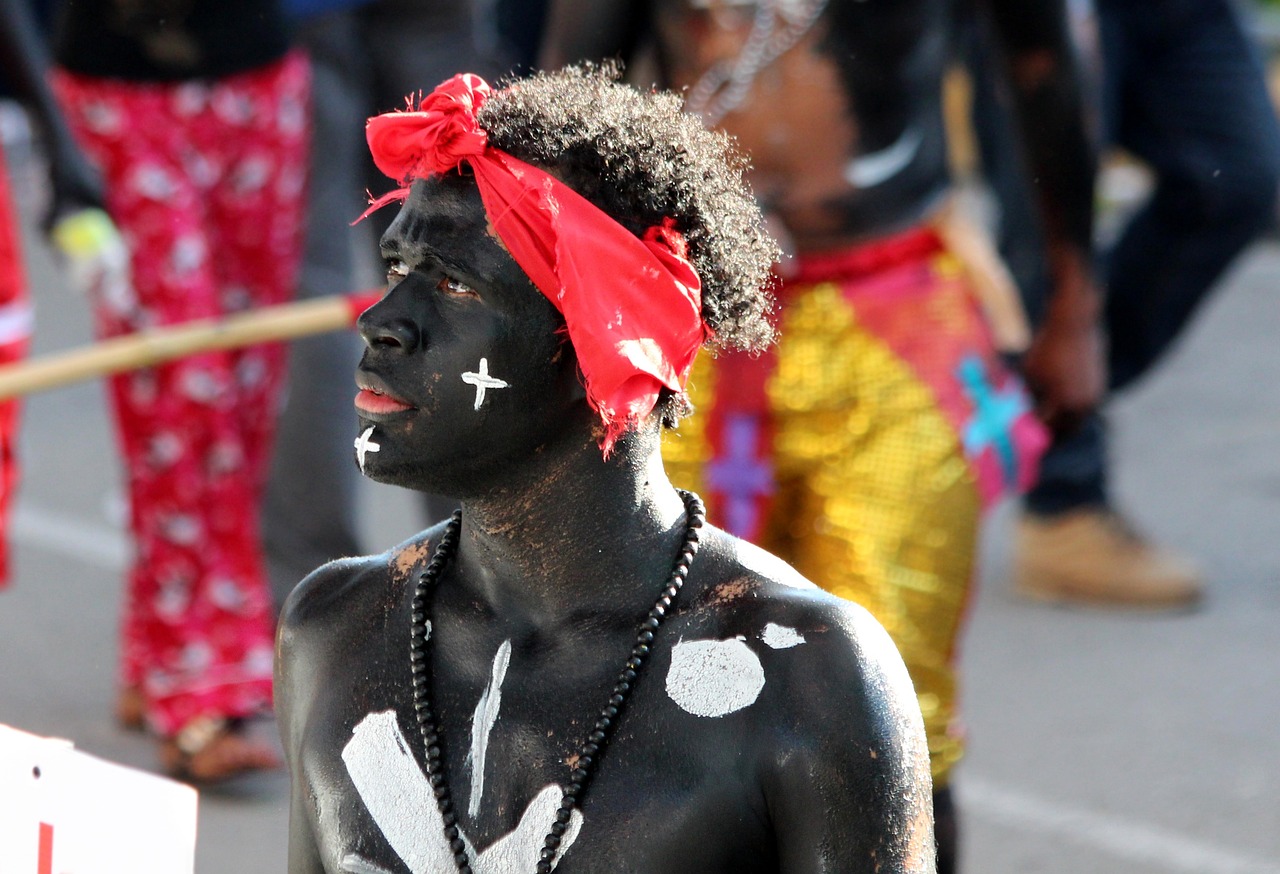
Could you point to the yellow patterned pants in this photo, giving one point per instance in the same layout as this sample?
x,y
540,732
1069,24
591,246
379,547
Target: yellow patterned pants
x,y
873,496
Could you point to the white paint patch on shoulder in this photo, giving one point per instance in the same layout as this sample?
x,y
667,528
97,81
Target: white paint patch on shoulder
x,y
482,723
714,677
769,566
399,798
777,636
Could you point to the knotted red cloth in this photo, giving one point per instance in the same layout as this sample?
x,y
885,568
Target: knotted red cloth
x,y
633,307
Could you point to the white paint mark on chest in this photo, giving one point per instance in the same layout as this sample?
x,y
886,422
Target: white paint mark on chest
x,y
520,849
355,864
399,798
482,722
397,793
777,636
714,677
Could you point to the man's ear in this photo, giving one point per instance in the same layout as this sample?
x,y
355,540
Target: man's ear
x,y
672,407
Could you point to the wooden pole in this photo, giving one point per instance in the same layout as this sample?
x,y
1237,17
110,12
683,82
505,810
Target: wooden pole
x,y
157,345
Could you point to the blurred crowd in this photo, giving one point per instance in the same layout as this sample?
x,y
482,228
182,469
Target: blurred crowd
x,y
207,157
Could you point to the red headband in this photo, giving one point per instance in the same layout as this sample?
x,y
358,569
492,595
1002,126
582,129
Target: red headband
x,y
633,307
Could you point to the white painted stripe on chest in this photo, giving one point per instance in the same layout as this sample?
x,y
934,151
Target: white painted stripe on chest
x,y
482,723
714,677
777,636
399,798
397,793
353,863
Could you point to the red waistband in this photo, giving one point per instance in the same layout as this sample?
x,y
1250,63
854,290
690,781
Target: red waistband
x,y
862,259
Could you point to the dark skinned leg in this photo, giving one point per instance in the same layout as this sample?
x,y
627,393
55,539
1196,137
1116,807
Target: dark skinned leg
x,y
945,830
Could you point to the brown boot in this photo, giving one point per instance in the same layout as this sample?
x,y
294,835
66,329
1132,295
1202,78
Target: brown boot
x,y
1093,557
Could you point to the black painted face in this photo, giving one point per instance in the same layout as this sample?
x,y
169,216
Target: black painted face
x,y
464,374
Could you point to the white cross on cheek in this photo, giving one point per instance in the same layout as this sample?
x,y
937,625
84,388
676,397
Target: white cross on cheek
x,y
482,381
365,445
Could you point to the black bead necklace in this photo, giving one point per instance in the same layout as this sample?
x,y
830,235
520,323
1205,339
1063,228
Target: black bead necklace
x,y
593,747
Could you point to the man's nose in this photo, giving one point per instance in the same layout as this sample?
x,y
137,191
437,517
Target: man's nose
x,y
389,325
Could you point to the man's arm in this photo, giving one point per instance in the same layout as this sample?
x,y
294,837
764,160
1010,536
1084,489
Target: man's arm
x,y
1064,365
304,855
853,792
591,29
25,63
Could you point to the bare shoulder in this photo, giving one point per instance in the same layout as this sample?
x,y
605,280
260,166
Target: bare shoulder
x,y
343,619
840,729
344,589
757,594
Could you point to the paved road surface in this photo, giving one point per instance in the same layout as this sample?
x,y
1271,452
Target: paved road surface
x,y
1100,742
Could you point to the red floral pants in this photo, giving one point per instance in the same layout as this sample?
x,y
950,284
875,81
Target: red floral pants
x,y
15,335
205,181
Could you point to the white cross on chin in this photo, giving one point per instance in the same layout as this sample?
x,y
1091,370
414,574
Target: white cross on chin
x,y
365,445
482,380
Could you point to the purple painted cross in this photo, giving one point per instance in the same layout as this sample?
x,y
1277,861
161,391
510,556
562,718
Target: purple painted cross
x,y
740,475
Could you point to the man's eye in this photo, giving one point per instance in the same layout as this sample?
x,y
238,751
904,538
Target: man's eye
x,y
453,286
396,269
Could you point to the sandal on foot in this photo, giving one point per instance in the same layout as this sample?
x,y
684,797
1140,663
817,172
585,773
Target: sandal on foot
x,y
212,749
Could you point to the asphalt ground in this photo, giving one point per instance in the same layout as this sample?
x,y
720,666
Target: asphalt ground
x,y
1100,741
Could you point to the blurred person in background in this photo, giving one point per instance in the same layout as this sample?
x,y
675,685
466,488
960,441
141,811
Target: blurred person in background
x,y
863,448
195,112
366,57
73,216
1183,91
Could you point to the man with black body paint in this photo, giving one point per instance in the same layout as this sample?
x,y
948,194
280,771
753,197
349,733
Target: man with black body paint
x,y
771,728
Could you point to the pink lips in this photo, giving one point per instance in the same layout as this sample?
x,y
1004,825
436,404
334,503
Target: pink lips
x,y
373,402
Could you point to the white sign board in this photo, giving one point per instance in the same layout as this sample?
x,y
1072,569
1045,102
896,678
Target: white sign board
x,y
66,812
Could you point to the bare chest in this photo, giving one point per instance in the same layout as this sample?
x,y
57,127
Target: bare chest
x,y
678,787
835,101
759,72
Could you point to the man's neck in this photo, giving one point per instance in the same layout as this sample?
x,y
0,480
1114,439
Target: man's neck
x,y
587,537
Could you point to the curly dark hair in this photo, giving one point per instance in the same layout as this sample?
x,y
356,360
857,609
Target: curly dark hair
x,y
639,158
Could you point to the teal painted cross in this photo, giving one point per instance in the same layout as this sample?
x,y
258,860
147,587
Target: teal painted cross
x,y
994,413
